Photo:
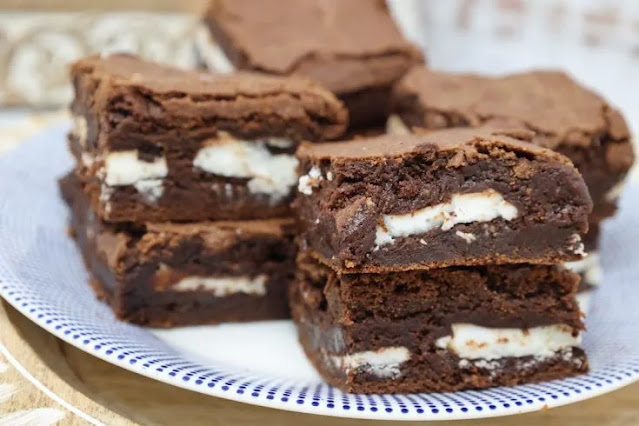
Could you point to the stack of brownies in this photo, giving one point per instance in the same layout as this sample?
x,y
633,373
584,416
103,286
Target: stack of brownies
x,y
431,262
443,256
565,116
180,195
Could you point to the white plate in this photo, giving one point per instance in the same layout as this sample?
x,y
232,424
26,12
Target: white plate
x,y
42,275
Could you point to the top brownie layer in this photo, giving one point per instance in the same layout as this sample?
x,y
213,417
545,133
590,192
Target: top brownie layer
x,y
345,45
122,96
348,46
452,197
158,144
565,116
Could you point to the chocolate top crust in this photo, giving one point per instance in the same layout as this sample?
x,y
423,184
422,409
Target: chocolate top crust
x,y
123,91
464,142
345,45
559,110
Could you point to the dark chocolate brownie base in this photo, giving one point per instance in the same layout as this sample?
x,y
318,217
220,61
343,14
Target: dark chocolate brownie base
x,y
165,275
452,197
155,143
386,333
566,117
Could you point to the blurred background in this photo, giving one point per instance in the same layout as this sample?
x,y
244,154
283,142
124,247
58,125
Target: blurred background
x,y
595,40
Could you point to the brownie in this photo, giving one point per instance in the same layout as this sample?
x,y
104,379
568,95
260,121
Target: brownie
x,y
438,330
165,274
354,48
447,198
157,144
565,116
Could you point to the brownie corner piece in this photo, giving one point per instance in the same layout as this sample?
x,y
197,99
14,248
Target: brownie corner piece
x,y
408,331
358,59
155,143
566,116
166,275
451,197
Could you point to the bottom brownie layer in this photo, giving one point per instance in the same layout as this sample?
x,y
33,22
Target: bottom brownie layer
x,y
165,275
390,370
422,332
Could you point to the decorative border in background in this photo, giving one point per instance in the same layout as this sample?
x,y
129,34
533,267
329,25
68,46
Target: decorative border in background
x,y
35,48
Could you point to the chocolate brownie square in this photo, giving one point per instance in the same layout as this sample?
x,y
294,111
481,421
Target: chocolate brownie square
x,y
439,330
351,47
451,197
159,144
166,274
565,116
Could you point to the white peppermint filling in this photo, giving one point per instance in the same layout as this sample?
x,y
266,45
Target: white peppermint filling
x,y
462,208
466,236
307,182
383,362
589,267
396,126
151,189
80,129
272,174
471,342
576,245
211,53
123,168
223,286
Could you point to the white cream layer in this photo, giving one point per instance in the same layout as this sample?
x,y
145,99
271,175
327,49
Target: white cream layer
x,y
272,174
471,342
463,208
211,53
122,168
309,181
383,362
223,286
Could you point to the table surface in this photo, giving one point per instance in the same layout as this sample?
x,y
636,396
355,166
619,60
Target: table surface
x,y
44,380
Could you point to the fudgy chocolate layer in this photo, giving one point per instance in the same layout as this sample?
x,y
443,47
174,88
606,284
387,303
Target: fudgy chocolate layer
x,y
489,294
354,318
165,275
160,144
188,193
398,203
357,59
565,116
